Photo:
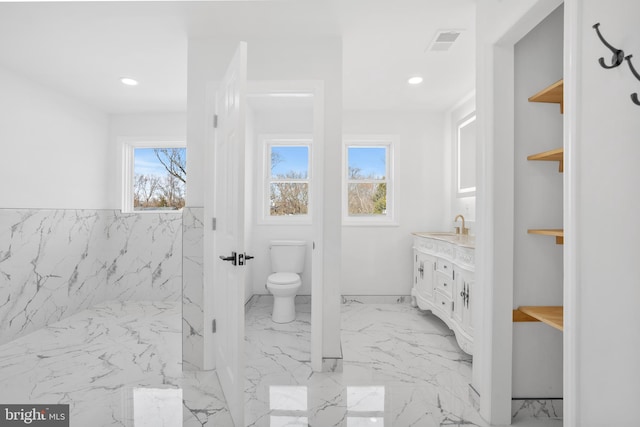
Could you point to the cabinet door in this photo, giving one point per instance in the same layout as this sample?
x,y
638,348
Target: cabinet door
x,y
462,308
468,312
424,266
458,297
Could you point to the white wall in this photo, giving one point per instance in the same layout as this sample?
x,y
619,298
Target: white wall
x,y
538,261
279,59
53,148
603,177
458,205
376,260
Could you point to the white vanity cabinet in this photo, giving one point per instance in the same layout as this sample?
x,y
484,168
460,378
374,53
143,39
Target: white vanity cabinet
x,y
443,277
423,267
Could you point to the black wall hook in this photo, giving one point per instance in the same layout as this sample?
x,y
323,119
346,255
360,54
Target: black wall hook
x,y
634,96
618,54
617,59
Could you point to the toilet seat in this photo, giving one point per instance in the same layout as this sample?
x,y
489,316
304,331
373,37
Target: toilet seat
x,y
280,279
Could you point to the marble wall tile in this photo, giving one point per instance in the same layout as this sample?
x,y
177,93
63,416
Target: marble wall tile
x,y
54,263
144,255
50,267
192,288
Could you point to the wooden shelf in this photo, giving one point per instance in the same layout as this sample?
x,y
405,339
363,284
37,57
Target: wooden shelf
x,y
556,155
551,315
558,233
553,94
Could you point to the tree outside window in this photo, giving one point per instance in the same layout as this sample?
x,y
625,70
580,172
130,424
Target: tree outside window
x,y
160,178
367,181
288,180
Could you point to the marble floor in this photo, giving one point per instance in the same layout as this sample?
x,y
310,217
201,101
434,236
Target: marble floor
x,y
402,367
118,364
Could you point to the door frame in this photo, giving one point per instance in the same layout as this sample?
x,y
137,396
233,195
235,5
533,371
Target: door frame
x,y
492,370
316,88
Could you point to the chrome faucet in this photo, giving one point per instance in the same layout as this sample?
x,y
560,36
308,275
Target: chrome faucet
x,y
464,230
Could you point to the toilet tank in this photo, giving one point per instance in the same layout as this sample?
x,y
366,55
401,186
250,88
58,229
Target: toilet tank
x,y
287,256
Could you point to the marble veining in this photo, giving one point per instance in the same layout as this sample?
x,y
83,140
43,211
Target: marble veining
x,y
119,364
192,288
402,367
100,359
550,409
54,263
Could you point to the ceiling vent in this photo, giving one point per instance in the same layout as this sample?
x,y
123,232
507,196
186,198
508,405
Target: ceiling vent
x,y
443,40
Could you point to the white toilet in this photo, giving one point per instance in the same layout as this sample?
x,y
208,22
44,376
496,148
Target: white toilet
x,y
287,262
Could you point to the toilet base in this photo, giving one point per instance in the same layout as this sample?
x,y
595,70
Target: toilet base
x,y
284,309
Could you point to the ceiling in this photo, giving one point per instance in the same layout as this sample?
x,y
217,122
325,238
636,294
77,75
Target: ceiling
x,y
83,48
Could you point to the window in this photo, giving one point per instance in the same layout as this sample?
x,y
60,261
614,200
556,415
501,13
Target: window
x,y
154,176
368,172
287,179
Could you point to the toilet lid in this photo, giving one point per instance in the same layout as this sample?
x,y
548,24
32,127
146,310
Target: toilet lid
x,y
283,278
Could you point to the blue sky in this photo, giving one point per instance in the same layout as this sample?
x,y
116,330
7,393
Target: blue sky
x,y
294,158
146,162
371,160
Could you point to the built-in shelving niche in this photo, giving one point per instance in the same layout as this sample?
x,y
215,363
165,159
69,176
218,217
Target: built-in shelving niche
x,y
550,315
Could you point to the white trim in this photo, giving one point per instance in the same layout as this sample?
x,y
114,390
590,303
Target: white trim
x,y
390,142
266,141
572,110
315,87
494,242
127,147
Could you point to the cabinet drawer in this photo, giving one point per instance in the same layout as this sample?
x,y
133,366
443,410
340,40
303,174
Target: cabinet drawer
x,y
444,284
444,266
443,303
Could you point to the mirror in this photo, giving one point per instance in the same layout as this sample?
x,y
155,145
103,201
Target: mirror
x,y
466,156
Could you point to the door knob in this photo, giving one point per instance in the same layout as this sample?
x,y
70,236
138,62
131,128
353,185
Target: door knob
x,y
233,258
243,258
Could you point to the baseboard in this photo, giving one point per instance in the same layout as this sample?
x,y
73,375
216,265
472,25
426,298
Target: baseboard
x,y
376,299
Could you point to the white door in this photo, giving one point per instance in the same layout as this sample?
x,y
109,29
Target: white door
x,y
229,268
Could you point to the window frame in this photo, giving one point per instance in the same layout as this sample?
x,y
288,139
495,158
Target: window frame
x,y
128,168
266,142
390,142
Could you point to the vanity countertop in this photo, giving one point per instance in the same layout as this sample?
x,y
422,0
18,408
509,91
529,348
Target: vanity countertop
x,y
463,241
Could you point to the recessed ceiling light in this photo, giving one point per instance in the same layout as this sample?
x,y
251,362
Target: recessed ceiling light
x,y
128,81
416,80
